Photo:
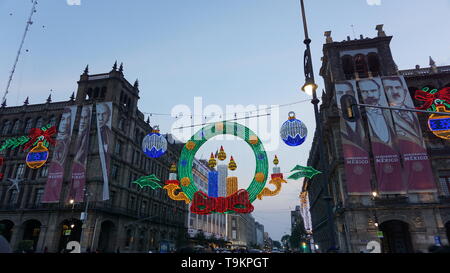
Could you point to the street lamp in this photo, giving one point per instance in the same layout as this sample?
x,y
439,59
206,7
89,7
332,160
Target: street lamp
x,y
310,88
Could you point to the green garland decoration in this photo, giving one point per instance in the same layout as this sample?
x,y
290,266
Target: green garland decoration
x,y
222,128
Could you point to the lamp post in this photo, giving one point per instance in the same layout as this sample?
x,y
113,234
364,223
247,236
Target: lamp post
x,y
310,88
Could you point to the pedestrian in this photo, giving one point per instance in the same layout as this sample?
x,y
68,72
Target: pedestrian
x,y
5,247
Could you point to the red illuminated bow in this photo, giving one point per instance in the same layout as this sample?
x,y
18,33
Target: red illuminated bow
x,y
429,98
36,133
238,202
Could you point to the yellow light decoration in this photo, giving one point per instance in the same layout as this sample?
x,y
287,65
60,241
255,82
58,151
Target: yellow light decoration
x,y
219,126
173,168
259,177
37,157
440,125
232,185
277,181
222,155
253,140
185,181
276,161
180,196
190,145
212,161
232,165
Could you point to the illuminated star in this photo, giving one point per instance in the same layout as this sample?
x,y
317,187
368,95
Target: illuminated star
x,y
15,183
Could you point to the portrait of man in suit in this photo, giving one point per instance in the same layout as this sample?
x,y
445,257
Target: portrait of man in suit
x,y
406,122
379,120
353,132
63,137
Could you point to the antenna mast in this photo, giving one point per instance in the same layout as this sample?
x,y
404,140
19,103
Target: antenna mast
x,y
27,28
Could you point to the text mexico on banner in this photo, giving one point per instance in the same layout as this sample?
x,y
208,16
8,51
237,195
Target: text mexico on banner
x,y
53,187
383,137
104,118
76,191
355,146
416,164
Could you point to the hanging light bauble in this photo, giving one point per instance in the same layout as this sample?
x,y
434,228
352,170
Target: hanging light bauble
x,y
154,144
293,132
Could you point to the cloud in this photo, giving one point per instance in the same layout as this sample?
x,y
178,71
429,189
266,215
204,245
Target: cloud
x,y
374,2
73,2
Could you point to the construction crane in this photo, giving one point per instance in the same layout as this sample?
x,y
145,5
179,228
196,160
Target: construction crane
x,y
19,52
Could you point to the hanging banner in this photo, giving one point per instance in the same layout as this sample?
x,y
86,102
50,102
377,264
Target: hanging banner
x,y
104,118
416,164
382,134
53,187
76,191
355,146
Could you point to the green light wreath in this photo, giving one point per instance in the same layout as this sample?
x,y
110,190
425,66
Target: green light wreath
x,y
222,128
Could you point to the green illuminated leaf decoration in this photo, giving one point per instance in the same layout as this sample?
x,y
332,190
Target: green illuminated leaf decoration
x,y
301,171
148,181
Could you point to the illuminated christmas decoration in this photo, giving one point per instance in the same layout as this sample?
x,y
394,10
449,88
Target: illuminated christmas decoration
x,y
238,202
172,193
253,139
213,184
293,132
212,161
440,124
37,157
222,155
276,180
309,172
148,181
433,98
232,165
190,145
154,144
232,185
36,135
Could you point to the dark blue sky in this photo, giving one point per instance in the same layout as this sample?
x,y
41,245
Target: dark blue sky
x,y
225,51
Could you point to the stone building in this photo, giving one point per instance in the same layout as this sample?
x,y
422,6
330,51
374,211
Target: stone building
x,y
407,222
133,219
212,225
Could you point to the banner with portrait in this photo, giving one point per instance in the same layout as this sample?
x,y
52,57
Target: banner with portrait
x,y
104,133
76,191
417,168
388,168
355,146
53,187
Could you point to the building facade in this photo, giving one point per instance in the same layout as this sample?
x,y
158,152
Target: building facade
x,y
212,225
345,216
132,219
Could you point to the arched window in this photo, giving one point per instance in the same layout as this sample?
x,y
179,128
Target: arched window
x,y
16,127
96,92
28,125
39,122
348,67
361,66
374,64
52,121
103,92
7,124
89,93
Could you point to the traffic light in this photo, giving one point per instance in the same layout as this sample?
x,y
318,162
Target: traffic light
x,y
304,247
350,110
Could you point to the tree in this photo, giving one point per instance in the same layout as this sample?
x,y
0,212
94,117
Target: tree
x,y
286,240
277,244
297,236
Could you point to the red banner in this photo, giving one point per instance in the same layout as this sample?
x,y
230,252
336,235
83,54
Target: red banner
x,y
56,172
355,147
417,168
383,137
77,186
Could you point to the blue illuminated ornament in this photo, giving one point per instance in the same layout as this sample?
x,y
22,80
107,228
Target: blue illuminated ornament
x,y
154,144
293,132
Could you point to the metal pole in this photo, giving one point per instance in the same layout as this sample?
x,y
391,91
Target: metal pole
x,y
323,166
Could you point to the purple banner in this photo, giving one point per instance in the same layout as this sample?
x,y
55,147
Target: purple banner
x,y
104,133
355,147
77,186
417,168
53,187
